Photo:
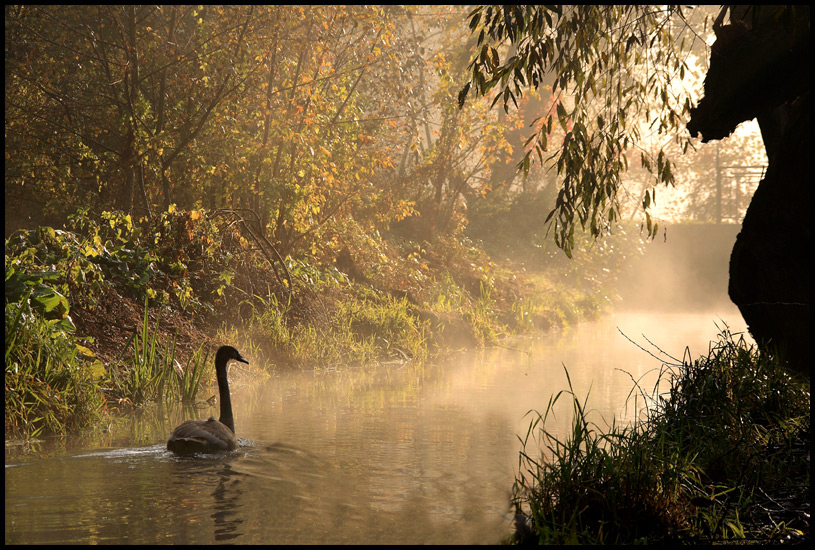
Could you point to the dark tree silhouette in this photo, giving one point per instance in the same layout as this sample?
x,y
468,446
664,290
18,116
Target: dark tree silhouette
x,y
759,68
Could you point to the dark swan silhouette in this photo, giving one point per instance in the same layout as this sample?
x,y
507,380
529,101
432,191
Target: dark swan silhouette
x,y
210,436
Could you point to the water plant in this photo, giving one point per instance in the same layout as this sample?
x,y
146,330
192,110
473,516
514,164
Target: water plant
x,y
189,381
150,365
710,460
51,378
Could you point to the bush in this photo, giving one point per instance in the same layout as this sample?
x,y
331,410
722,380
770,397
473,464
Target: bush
x,y
51,379
711,461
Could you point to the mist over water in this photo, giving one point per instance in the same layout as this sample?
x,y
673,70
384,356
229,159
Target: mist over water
x,y
685,268
380,454
397,453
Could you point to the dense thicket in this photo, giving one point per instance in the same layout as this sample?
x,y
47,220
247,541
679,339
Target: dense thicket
x,y
314,115
305,114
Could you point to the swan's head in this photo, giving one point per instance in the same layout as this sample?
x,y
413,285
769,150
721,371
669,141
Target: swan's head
x,y
225,353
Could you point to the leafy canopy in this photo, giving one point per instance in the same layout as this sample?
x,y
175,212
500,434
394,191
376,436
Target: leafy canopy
x,y
610,70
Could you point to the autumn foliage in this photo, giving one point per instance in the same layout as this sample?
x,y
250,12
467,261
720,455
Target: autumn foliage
x,y
307,115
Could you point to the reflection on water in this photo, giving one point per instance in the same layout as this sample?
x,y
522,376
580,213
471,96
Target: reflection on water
x,y
389,454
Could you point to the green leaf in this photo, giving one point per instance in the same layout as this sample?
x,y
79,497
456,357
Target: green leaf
x,y
562,116
66,324
49,302
462,95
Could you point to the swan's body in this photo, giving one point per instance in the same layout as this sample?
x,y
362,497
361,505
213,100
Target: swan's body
x,y
210,436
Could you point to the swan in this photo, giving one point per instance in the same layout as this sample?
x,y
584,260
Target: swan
x,y
210,436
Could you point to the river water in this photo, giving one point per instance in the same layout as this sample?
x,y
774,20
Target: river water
x,y
384,454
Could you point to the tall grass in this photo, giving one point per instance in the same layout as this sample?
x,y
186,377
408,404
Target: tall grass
x,y
361,328
483,316
702,464
145,374
50,386
151,371
189,381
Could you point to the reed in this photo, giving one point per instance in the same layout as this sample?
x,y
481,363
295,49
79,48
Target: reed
x,y
150,368
50,386
701,465
483,316
189,380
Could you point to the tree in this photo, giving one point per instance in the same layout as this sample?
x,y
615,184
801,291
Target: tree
x,y
768,48
609,60
446,157
604,64
104,100
281,109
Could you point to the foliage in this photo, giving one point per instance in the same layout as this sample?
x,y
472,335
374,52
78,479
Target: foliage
x,y
51,378
53,381
134,107
603,64
33,292
162,260
452,166
699,467
305,114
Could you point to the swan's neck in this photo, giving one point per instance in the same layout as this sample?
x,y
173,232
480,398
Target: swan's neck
x,y
226,404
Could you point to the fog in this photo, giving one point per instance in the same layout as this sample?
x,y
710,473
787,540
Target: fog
x,y
338,127
686,268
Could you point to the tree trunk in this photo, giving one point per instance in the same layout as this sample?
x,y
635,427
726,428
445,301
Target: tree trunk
x,y
770,272
760,68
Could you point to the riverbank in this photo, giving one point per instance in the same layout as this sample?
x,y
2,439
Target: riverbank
x,y
108,314
722,457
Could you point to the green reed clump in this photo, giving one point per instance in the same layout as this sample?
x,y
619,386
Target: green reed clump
x,y
51,385
589,487
706,463
148,370
745,420
189,381
152,373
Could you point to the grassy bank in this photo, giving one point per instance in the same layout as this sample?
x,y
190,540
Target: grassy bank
x,y
723,456
108,314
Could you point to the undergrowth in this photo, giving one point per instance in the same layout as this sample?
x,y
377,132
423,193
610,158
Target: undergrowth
x,y
723,456
209,278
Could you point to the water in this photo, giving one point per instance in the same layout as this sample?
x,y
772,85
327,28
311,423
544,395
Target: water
x,y
386,454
